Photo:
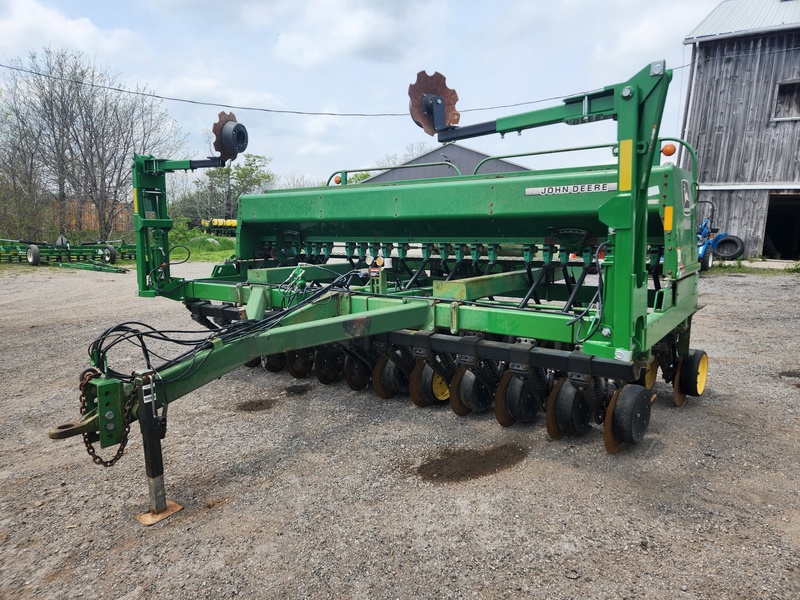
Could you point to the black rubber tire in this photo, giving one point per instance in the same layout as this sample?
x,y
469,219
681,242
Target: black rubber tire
x,y
300,363
328,365
32,255
572,411
109,255
707,260
474,394
421,385
694,371
521,404
381,378
356,374
420,395
729,248
274,362
397,378
631,416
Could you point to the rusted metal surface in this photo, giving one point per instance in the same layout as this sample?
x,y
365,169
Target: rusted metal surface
x,y
357,328
436,85
216,129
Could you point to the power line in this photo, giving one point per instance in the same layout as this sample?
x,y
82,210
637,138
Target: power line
x,y
262,109
197,102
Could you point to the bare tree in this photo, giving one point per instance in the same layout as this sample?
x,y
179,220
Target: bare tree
x,y
297,179
24,202
412,151
90,126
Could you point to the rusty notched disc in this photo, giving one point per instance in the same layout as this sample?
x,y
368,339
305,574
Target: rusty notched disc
x,y
216,129
436,85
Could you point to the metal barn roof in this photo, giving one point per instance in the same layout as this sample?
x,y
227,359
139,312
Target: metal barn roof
x,y
463,158
738,18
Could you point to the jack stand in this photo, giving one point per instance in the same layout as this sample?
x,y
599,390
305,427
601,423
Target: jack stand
x,y
152,426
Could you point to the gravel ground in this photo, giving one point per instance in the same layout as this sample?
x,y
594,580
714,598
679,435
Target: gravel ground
x,y
294,489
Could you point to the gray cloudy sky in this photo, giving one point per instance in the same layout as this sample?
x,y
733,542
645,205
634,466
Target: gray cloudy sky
x,y
360,56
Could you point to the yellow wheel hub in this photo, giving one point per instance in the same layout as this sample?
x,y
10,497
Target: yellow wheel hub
x,y
651,374
440,388
702,374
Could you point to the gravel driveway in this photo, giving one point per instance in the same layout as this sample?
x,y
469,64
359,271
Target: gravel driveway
x,y
293,489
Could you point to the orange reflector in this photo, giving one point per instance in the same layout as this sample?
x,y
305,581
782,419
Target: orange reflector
x,y
625,165
337,180
667,218
668,149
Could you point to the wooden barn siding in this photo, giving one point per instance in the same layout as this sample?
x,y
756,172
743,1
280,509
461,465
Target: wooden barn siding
x,y
731,124
741,213
731,128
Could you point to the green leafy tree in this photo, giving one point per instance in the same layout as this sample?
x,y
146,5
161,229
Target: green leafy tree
x,y
216,192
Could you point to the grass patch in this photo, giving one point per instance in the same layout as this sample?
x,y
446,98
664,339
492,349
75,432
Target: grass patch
x,y
209,248
730,267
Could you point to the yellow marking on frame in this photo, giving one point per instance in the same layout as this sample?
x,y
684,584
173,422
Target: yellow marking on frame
x,y
135,201
667,218
625,165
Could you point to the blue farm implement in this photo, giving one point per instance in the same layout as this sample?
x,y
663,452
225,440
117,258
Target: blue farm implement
x,y
711,243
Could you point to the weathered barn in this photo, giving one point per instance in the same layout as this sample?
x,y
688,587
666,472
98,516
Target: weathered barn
x,y
743,118
463,158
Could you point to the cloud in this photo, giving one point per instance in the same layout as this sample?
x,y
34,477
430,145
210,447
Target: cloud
x,y
316,148
333,30
27,25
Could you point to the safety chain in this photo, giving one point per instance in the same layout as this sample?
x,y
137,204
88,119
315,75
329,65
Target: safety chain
x,y
86,377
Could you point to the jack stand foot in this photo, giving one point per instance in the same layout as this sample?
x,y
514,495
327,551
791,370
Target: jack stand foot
x,y
153,428
151,517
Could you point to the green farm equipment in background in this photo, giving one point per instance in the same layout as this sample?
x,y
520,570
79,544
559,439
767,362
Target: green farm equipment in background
x,y
90,256
561,291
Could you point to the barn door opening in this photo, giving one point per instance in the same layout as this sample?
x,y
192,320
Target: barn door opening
x,y
782,236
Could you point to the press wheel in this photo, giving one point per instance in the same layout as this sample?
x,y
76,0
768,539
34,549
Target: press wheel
x,y
327,365
426,386
299,363
513,401
455,395
468,393
274,362
568,410
356,373
628,415
500,411
380,378
694,373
